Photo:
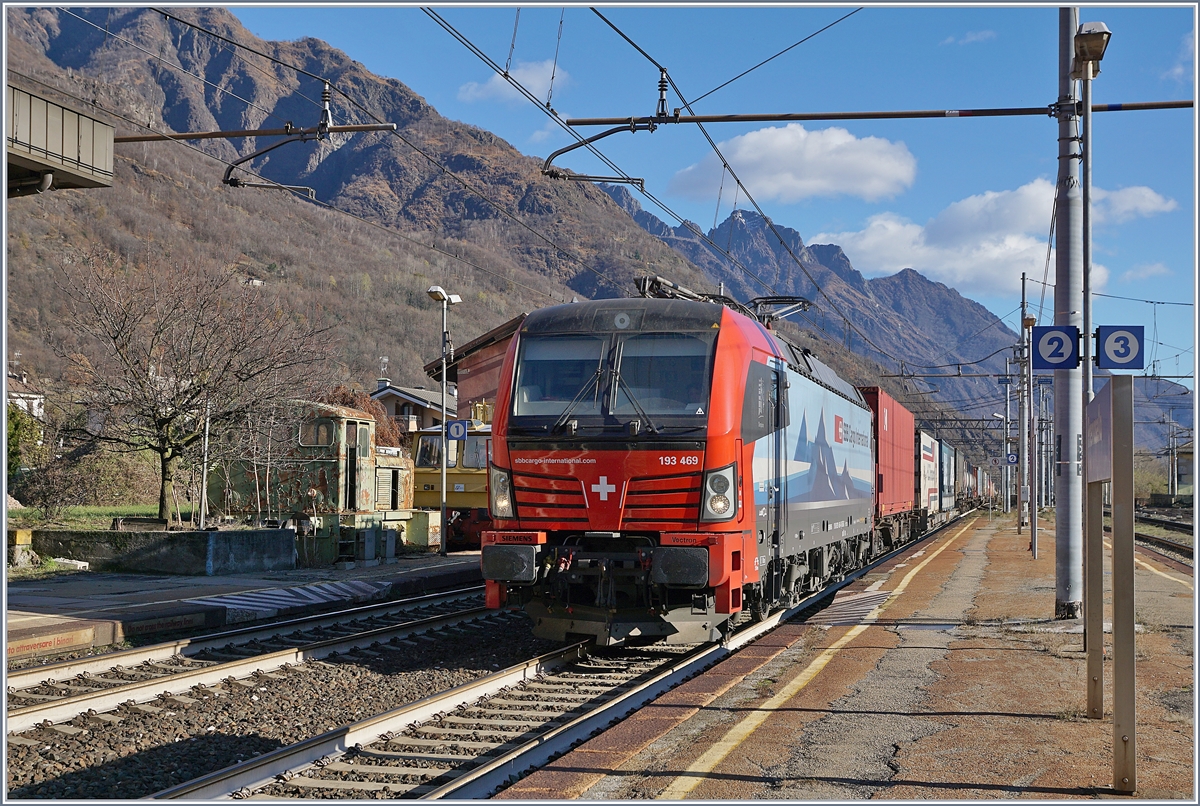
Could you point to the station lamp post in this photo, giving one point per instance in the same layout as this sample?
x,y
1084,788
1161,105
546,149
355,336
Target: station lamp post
x,y
1090,43
438,294
1004,450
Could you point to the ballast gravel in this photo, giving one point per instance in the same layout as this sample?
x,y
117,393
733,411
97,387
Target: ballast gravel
x,y
146,753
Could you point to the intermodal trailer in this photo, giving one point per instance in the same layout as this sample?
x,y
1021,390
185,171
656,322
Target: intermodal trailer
x,y
929,499
946,476
894,431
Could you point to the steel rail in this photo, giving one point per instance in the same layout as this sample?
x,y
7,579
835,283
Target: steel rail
x,y
19,719
260,771
483,779
1165,543
67,669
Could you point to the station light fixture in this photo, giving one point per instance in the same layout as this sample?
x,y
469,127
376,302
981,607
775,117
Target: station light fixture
x,y
438,294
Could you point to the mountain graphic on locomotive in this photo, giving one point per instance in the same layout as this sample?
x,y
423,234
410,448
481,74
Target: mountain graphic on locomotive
x,y
652,472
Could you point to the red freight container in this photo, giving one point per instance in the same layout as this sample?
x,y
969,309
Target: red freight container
x,y
895,434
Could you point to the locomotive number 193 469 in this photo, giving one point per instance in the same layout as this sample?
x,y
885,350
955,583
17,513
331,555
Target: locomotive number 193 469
x,y
679,460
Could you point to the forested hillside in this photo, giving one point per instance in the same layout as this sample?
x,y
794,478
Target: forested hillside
x,y
437,202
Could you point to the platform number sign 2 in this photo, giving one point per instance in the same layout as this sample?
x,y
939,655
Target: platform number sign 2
x,y
1120,347
1056,347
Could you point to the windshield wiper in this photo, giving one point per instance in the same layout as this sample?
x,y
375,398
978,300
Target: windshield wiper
x,y
618,382
562,418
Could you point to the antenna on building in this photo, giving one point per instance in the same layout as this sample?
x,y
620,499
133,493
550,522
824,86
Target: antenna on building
x,y
383,362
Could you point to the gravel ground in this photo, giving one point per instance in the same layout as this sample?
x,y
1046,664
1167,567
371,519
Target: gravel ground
x,y
145,754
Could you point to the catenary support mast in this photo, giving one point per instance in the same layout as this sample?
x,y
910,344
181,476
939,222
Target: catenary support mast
x,y
1068,310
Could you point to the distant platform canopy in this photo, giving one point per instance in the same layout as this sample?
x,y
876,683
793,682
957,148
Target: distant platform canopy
x,y
53,147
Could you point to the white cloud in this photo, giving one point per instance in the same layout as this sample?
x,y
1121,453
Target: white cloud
x,y
981,244
791,163
969,37
534,76
1127,203
547,131
1183,69
1145,272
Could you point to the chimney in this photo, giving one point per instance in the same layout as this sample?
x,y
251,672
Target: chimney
x,y
384,383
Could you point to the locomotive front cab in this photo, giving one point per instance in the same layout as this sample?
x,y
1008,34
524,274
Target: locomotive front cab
x,y
615,486
466,480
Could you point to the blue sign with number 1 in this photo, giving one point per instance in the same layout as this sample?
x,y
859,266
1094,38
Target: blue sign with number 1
x,y
1056,347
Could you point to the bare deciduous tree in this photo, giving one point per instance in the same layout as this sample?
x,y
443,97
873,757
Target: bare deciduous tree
x,y
161,343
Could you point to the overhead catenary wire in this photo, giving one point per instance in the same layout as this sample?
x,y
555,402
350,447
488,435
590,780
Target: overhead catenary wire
x,y
776,56
770,224
554,65
178,67
1129,299
416,242
395,133
513,46
474,49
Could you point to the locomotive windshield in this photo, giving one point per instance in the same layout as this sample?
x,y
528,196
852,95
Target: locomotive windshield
x,y
603,379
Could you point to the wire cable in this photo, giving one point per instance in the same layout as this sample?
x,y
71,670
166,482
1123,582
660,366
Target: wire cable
x,y
178,67
776,56
770,224
297,194
395,133
467,43
1128,299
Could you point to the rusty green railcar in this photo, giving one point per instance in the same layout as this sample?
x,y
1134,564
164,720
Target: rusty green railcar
x,y
321,474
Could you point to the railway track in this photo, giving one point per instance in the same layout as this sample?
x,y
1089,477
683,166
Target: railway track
x,y
474,739
1163,523
1165,543
1184,527
58,692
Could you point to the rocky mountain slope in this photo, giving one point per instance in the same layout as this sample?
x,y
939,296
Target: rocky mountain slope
x,y
506,238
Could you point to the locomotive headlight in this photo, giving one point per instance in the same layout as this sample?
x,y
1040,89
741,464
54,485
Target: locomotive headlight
x,y
500,493
720,498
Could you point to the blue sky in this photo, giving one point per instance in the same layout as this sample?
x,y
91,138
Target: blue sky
x,y
964,201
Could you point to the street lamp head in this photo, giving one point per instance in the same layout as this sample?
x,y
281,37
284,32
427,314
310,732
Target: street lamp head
x,y
436,292
1090,41
998,416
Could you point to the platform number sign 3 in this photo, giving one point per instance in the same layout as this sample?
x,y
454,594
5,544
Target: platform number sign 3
x,y
1120,347
1056,347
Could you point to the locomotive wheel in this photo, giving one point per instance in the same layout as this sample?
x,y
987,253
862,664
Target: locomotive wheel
x,y
760,608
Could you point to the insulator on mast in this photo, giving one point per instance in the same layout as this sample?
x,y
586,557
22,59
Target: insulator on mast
x,y
662,93
326,114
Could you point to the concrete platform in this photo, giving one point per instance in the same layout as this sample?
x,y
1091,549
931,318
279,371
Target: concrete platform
x,y
940,675
75,611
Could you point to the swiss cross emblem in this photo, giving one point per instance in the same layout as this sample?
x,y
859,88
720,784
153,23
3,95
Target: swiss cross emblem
x,y
604,488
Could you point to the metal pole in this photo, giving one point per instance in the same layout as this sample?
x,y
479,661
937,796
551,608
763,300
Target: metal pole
x,y
1068,306
1007,472
1124,674
1031,427
204,469
1022,418
445,445
1087,234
